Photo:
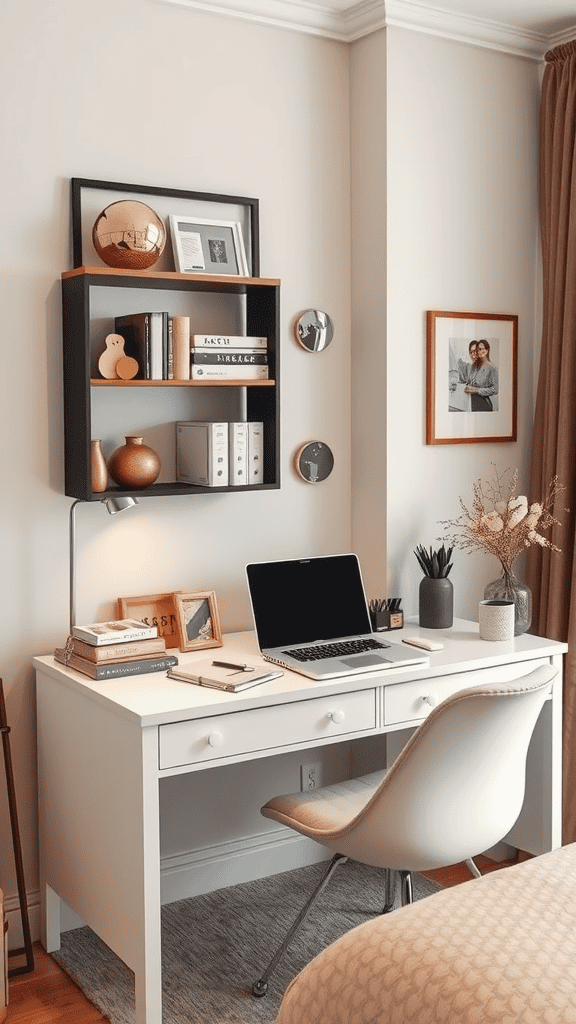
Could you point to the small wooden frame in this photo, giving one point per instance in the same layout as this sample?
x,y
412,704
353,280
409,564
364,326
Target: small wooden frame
x,y
198,620
456,410
155,610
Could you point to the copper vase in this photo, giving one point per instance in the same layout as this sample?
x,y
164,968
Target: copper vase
x,y
134,464
98,469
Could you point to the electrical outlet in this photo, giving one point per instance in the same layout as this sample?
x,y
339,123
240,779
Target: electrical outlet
x,y
311,775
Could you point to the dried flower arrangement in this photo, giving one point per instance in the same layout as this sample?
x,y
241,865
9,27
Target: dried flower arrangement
x,y
501,522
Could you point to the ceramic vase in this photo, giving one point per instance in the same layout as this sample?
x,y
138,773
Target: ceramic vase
x,y
508,588
98,468
436,603
134,464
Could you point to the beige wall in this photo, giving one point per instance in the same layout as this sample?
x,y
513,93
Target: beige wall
x,y
160,95
462,234
443,148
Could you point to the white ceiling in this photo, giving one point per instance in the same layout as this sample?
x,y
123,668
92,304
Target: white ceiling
x,y
524,27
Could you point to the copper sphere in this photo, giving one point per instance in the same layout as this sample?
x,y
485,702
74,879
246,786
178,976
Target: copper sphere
x,y
134,464
129,235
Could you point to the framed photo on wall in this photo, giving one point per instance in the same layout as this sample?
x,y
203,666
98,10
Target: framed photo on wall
x,y
197,620
471,377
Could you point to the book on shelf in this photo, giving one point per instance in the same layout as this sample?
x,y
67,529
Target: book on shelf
x,y
169,350
202,453
228,372
129,651
229,356
237,454
146,340
115,669
119,631
181,346
219,675
228,341
255,452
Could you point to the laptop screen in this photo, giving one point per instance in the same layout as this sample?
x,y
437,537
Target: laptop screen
x,y
306,599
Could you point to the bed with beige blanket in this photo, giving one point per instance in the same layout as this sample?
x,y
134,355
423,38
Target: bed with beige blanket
x,y
495,950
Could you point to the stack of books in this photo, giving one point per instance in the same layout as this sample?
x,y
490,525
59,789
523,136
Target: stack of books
x,y
146,340
228,357
220,454
162,346
104,650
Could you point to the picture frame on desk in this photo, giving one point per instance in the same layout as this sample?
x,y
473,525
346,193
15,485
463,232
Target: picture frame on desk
x,y
208,246
154,610
198,620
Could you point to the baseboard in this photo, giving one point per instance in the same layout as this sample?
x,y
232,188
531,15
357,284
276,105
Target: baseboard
x,y
199,871
14,919
243,860
203,870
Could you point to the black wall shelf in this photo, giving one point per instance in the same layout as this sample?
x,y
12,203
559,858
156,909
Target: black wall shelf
x,y
262,398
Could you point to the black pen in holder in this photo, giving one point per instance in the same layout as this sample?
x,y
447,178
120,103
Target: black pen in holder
x,y
385,614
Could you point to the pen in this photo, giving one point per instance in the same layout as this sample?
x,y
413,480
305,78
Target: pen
x,y
230,664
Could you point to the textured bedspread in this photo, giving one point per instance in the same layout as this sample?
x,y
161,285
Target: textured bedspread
x,y
495,950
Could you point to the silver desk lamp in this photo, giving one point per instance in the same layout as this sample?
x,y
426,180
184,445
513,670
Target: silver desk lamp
x,y
113,505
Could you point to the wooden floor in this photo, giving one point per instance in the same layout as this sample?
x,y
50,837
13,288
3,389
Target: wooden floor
x,y
47,995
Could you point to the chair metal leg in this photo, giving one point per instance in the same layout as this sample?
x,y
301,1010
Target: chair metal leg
x,y
472,868
390,897
406,887
260,987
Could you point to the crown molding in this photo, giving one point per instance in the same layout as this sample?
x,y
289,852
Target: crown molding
x,y
368,16
311,19
462,28
559,38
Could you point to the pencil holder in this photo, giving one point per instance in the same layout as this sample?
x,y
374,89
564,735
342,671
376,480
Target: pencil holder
x,y
383,619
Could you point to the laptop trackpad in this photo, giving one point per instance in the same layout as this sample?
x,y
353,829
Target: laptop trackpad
x,y
364,659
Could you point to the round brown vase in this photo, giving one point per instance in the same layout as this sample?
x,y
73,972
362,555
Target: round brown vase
x,y
98,470
134,464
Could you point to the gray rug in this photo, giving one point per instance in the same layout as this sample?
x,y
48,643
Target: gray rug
x,y
215,946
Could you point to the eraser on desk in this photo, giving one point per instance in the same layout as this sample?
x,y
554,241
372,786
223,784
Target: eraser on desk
x,y
423,642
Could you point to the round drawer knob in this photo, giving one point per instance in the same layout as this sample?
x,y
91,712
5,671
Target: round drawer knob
x,y
431,699
215,739
337,717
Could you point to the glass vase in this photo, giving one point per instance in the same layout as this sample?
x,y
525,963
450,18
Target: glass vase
x,y
508,588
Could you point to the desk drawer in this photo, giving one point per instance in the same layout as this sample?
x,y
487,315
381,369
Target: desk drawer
x,y
242,732
409,702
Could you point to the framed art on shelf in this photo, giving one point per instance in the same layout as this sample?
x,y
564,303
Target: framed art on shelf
x,y
208,247
197,620
471,377
155,610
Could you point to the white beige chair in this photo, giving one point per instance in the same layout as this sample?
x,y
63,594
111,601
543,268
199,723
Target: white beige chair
x,y
454,791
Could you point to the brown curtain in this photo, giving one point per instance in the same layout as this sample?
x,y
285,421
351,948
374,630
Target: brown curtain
x,y
552,576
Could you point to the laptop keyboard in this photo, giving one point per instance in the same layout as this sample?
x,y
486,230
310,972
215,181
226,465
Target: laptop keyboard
x,y
335,650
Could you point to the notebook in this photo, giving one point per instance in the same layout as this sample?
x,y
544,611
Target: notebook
x,y
311,616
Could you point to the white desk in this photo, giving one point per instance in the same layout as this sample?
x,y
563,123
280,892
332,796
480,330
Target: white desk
x,y
103,747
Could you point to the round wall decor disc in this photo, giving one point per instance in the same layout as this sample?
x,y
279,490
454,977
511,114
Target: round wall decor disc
x,y
314,462
314,330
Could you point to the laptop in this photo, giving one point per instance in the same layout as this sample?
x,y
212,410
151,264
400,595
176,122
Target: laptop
x,y
311,616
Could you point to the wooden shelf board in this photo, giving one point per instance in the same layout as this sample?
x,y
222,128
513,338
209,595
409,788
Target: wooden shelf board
x,y
171,276
96,382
